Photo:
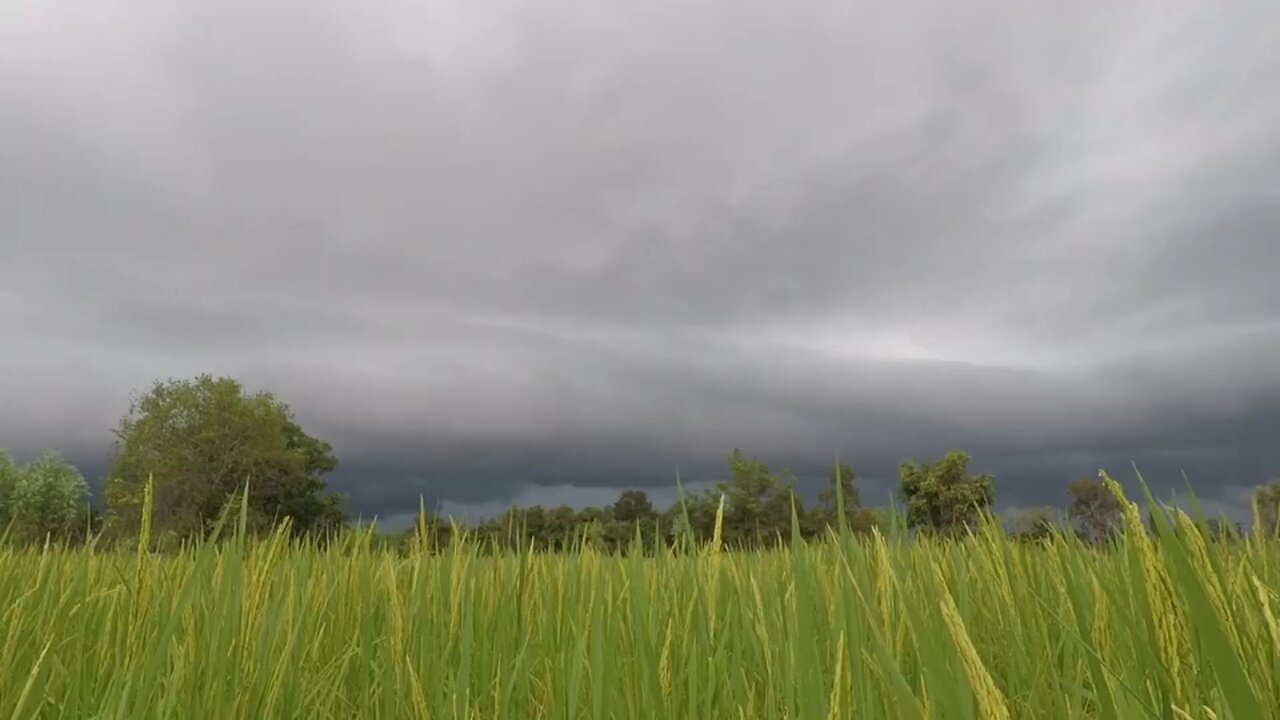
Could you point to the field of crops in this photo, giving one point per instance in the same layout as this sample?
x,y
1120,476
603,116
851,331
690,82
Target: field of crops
x,y
1166,626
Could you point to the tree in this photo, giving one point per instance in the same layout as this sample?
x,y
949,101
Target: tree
x,y
1096,512
1034,524
49,499
561,527
8,477
430,533
758,502
942,496
633,506
1267,498
592,528
693,516
827,512
632,512
201,441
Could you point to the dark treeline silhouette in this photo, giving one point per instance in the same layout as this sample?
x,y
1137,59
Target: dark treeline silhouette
x,y
198,443
760,507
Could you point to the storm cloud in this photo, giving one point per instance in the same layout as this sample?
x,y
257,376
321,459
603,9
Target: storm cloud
x,y
497,250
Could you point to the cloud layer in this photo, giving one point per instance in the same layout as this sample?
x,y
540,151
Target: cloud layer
x,y
486,245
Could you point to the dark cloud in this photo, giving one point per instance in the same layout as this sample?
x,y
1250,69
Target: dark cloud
x,y
487,250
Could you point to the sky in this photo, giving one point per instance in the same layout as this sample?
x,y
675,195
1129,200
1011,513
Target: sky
x,y
500,251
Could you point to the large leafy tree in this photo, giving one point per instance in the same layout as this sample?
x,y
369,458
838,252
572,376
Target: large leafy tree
x,y
1096,512
942,496
692,516
203,440
49,499
633,506
632,512
562,526
758,501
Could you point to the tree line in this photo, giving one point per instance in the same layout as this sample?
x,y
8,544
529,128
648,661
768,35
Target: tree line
x,y
198,443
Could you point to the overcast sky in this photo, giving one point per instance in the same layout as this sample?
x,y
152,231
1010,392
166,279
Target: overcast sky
x,y
542,250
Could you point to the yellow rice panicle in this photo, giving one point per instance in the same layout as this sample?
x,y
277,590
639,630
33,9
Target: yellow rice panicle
x,y
1171,638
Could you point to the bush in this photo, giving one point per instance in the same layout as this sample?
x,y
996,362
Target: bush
x,y
49,498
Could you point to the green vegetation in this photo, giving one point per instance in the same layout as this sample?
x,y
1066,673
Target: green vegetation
x,y
47,499
942,496
223,580
1267,501
200,440
1159,623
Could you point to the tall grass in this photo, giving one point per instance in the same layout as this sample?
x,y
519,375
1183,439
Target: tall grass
x,y
1165,625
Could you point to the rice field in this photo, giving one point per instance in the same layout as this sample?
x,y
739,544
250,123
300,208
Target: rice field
x,y
1161,626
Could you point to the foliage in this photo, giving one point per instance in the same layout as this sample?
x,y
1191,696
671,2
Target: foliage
x,y
8,477
692,517
203,440
878,626
633,506
1267,501
1094,510
941,496
758,502
631,515
49,499
842,487
1035,524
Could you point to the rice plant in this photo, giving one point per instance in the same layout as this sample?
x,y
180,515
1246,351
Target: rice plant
x,y
1160,624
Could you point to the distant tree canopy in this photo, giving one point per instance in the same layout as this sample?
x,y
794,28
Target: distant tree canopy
x,y
1095,511
843,482
841,487
1035,523
941,496
758,501
758,506
633,506
8,477
47,499
1267,500
201,441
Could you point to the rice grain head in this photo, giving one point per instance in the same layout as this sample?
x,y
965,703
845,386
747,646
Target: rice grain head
x,y
1171,640
991,702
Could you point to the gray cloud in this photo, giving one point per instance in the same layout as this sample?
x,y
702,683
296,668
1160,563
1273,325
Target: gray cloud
x,y
483,248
